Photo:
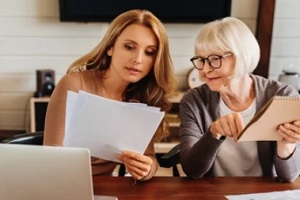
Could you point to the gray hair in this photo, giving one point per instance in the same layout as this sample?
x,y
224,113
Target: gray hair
x,y
230,35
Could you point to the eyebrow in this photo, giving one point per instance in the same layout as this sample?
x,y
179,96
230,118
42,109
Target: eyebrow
x,y
133,41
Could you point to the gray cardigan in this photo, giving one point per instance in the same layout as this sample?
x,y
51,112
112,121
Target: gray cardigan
x,y
198,149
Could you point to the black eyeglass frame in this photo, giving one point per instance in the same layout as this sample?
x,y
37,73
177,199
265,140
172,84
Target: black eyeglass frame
x,y
209,61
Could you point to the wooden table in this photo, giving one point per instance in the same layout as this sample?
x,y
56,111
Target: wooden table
x,y
184,188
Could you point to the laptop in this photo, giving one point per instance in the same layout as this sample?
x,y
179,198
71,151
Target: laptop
x,y
31,172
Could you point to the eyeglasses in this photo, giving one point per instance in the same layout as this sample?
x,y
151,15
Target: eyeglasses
x,y
214,61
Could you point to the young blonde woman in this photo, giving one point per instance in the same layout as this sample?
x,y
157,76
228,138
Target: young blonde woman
x,y
132,62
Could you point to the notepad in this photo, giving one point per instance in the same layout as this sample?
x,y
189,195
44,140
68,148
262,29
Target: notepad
x,y
263,126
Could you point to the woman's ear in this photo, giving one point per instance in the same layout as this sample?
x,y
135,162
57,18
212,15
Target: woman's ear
x,y
109,51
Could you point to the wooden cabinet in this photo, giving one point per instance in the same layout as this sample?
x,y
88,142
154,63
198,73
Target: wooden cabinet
x,y
38,108
174,123
172,116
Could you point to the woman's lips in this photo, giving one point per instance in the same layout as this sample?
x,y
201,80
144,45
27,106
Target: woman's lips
x,y
212,79
133,70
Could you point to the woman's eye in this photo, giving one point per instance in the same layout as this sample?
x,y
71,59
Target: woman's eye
x,y
129,47
212,59
151,53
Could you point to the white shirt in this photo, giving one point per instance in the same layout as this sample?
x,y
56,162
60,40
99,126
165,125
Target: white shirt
x,y
238,159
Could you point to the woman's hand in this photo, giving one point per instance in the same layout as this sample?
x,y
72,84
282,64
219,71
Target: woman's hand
x,y
290,132
291,135
138,165
229,125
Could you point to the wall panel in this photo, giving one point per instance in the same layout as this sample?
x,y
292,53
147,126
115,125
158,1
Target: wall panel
x,y
32,37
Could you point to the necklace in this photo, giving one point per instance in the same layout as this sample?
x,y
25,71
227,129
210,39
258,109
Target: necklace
x,y
117,99
106,91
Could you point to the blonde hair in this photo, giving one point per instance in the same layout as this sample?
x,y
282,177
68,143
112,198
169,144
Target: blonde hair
x,y
154,89
231,35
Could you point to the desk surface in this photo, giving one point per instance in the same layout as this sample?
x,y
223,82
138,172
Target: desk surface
x,y
184,188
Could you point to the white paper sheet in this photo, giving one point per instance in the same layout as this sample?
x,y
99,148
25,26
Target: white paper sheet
x,y
281,195
107,127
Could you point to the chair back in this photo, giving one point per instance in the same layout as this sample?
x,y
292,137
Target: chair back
x,y
170,159
32,138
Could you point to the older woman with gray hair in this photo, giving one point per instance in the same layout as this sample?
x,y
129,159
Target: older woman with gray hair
x,y
214,114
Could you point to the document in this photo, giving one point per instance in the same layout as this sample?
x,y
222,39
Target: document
x,y
263,126
106,127
279,195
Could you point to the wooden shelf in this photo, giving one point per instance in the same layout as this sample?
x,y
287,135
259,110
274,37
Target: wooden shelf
x,y
177,98
174,124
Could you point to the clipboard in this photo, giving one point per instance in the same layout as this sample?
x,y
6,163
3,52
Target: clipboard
x,y
263,126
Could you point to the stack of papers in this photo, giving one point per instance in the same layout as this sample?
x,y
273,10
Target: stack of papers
x,y
106,127
281,195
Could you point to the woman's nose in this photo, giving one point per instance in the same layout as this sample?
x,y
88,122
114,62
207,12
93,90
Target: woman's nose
x,y
137,57
206,66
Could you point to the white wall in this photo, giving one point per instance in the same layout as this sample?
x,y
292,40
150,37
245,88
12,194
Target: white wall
x,y
286,37
32,37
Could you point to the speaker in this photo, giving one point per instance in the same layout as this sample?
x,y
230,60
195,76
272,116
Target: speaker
x,y
45,83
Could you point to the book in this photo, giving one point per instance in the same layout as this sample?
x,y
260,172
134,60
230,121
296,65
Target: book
x,y
263,126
